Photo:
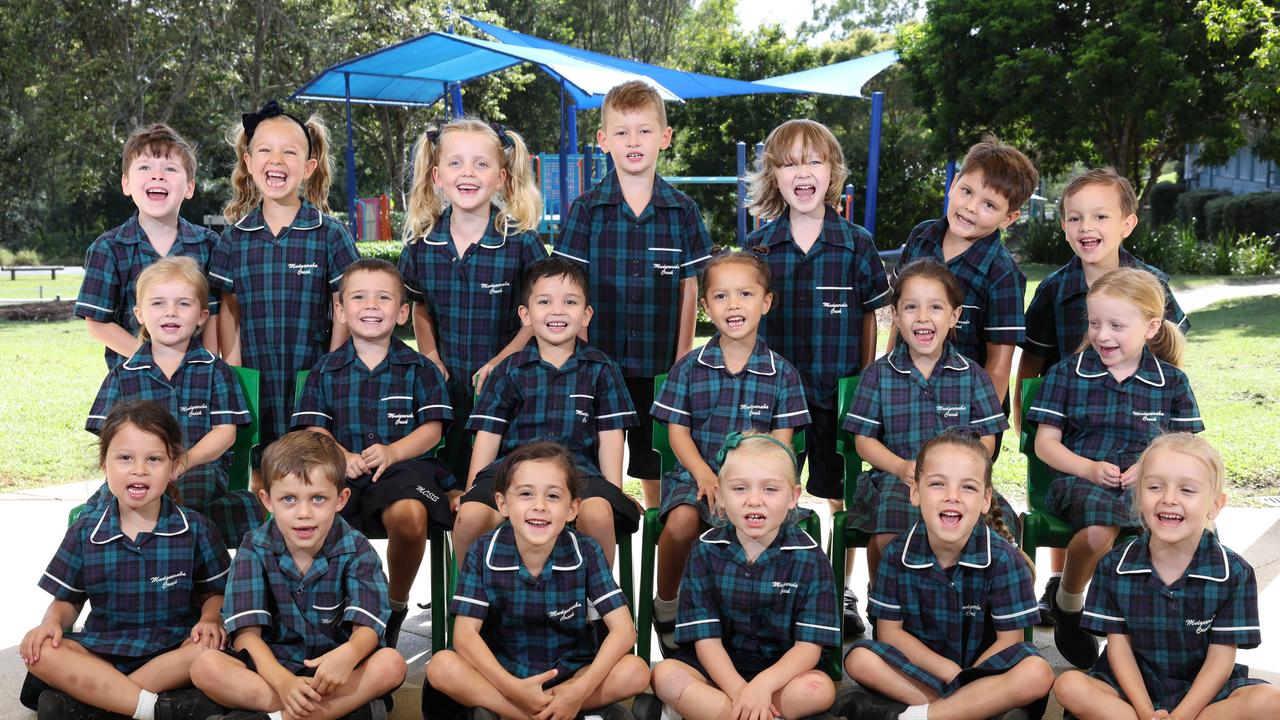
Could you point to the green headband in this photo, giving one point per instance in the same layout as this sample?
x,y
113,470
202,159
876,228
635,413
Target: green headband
x,y
735,438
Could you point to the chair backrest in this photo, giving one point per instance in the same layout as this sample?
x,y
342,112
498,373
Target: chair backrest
x,y
1039,476
247,436
845,389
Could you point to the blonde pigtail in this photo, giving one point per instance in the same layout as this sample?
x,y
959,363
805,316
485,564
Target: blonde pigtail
x,y
316,188
522,202
244,193
1168,343
424,204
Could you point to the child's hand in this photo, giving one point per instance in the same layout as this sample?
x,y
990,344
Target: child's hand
x,y
380,457
333,669
455,499
755,702
1161,715
356,466
209,634
1130,476
1104,474
529,695
566,701
907,472
297,695
483,374
36,638
708,487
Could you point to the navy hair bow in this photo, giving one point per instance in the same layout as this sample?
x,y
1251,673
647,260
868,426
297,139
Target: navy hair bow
x,y
268,111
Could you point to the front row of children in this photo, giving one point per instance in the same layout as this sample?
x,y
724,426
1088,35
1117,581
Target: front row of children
x,y
304,604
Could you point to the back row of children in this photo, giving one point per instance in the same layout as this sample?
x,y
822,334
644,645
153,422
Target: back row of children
x,y
641,244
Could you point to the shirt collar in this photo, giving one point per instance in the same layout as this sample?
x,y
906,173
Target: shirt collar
x,y
1073,282
502,555
171,521
131,233
1208,563
918,555
900,358
583,353
609,192
980,253
309,217
1150,369
760,363
144,358
441,235
398,353
790,537
778,231
340,540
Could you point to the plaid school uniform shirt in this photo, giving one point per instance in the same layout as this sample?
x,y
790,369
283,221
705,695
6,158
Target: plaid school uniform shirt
x,y
956,611
821,296
898,406
144,594
203,394
1170,627
1057,319
112,265
533,623
635,265
472,299
527,399
305,615
1111,421
759,609
993,286
284,285
361,406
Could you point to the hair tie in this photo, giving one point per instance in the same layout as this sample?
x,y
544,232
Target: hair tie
x,y
502,130
270,110
735,438
434,128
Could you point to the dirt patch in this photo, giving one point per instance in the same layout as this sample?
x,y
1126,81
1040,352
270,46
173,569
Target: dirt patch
x,y
43,312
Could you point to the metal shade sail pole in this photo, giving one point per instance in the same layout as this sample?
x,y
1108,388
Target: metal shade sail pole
x,y
873,162
351,161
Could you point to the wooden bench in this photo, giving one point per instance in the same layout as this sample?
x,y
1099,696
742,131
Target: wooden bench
x,y
15,269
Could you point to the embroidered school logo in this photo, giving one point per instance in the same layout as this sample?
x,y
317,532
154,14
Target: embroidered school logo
x,y
664,269
949,410
1149,416
785,588
167,581
399,418
753,410
1201,626
495,288
564,614
303,268
971,610
427,494
582,414
835,308
193,410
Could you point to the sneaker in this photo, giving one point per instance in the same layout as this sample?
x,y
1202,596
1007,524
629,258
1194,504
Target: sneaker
x,y
186,703
863,705
646,706
1076,645
55,705
373,710
853,625
1050,588
392,634
666,630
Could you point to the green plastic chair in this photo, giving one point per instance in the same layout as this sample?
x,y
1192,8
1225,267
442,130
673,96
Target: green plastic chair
x,y
844,537
652,529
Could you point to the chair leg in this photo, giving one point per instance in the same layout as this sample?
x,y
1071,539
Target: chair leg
x,y
1030,543
644,603
626,578
439,611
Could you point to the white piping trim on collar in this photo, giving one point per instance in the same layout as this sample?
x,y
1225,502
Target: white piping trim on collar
x,y
1226,568
907,545
988,562
953,367
703,538
1082,373
812,543
1125,556
773,366
488,556
127,366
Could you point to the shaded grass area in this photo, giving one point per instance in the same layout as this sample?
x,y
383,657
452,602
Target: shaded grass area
x,y
34,286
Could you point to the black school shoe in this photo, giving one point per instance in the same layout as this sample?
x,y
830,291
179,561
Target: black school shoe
x,y
1076,645
863,705
853,624
391,635
55,705
646,706
616,711
186,703
1050,590
372,710
666,630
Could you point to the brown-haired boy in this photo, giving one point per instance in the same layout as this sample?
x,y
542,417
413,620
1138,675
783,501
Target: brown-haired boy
x,y
158,171
307,601
642,242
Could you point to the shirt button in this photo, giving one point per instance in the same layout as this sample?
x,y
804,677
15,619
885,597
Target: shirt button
x,y
370,436
298,591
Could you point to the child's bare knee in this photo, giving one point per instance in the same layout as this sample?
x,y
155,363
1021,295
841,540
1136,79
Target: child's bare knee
x,y
856,660
443,667
636,674
388,667
406,518
682,523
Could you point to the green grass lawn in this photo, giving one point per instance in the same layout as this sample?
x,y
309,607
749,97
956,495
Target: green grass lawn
x,y
32,286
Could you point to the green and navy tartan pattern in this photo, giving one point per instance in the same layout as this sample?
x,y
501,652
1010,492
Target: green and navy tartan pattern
x,y
761,608
820,298
993,286
112,265
526,399
362,406
535,623
144,594
635,265
306,615
1057,319
1170,627
956,611
472,299
285,287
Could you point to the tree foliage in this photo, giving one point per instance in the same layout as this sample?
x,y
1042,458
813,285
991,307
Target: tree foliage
x,y
1254,27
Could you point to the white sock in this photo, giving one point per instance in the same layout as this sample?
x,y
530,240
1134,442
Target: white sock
x,y
915,712
669,713
664,609
1053,575
146,709
1069,601
398,604
277,715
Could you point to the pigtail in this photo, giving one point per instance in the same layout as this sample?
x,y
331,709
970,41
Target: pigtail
x,y
1168,343
522,202
316,188
995,521
424,206
244,193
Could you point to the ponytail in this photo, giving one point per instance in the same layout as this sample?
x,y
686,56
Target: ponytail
x,y
316,188
425,205
1168,343
244,193
522,203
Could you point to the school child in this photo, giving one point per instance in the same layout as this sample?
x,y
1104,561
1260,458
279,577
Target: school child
x,y
950,603
756,605
153,574
386,405
531,597
158,172
920,388
557,388
279,264
198,389
985,198
642,242
1096,411
829,281
1098,210
1173,603
470,233
306,600
734,382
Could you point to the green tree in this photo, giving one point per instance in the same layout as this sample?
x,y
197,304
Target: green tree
x,y
852,15
1254,27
